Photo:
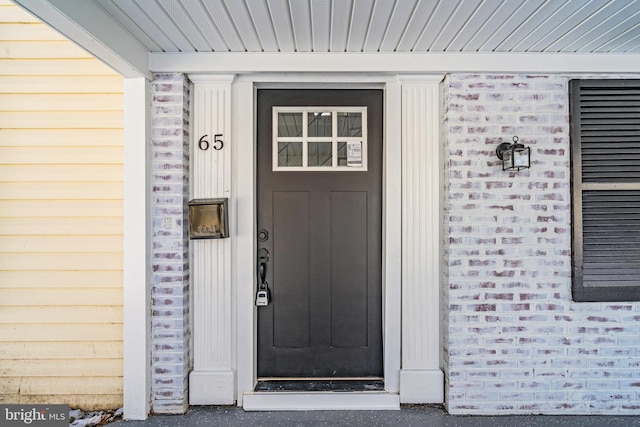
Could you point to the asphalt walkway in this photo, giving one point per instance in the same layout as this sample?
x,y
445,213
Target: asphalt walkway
x,y
408,416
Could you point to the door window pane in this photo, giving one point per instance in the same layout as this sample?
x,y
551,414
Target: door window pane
x,y
319,138
290,124
319,124
349,124
342,154
320,154
290,154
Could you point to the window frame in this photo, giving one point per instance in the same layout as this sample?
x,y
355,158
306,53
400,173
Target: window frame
x,y
580,291
305,139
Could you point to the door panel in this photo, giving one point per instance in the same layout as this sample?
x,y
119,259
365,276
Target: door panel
x,y
324,272
291,226
349,269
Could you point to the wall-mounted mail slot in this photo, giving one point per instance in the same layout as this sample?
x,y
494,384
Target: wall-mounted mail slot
x,y
208,219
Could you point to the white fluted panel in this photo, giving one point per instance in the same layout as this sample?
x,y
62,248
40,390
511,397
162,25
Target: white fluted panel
x,y
420,225
211,259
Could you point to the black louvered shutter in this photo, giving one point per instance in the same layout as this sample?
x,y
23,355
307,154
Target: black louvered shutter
x,y
605,161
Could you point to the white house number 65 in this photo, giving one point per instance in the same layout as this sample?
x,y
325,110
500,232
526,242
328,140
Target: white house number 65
x,y
203,144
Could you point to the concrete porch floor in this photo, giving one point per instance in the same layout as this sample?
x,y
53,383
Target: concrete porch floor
x,y
408,416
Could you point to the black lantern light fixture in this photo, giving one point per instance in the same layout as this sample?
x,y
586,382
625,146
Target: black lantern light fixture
x,y
514,156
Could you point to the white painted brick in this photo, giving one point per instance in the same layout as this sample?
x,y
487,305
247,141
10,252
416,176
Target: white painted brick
x,y
509,234
555,396
170,294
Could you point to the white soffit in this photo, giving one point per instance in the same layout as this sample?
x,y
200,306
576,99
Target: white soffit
x,y
216,30
380,25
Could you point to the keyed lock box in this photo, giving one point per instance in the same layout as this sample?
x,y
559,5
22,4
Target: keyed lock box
x,y
208,219
262,298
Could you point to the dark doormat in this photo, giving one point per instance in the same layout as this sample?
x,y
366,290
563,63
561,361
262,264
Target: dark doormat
x,y
320,385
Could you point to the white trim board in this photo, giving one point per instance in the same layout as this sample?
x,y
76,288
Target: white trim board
x,y
136,244
247,62
321,401
106,40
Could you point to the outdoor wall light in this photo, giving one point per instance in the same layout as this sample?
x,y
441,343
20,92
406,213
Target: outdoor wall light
x,y
514,156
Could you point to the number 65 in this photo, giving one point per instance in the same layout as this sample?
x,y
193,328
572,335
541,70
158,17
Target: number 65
x,y
203,144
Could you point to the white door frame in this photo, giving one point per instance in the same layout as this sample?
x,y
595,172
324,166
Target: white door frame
x,y
244,250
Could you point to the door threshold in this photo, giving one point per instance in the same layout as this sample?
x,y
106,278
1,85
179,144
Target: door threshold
x,y
320,401
349,385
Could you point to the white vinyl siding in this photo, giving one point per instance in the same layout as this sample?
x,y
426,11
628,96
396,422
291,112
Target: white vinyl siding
x,y
61,189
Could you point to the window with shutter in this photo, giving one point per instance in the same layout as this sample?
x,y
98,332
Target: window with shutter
x,y
605,162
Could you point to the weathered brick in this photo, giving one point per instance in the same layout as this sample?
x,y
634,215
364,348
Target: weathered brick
x,y
512,230
170,258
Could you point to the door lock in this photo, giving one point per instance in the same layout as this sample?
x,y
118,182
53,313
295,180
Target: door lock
x,y
263,295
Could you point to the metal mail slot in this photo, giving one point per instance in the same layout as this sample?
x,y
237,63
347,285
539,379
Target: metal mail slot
x,y
208,219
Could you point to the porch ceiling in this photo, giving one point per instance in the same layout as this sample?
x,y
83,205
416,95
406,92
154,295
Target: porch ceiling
x,y
380,25
343,26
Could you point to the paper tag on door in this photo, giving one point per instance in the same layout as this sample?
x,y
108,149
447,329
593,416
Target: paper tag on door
x,y
354,154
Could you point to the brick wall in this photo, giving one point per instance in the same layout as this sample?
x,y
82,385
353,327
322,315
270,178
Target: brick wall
x,y
170,292
514,340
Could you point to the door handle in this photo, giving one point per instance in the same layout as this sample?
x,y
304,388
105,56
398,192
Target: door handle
x,y
263,295
262,272
263,259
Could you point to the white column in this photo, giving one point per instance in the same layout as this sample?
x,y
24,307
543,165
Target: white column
x,y
421,378
137,235
212,380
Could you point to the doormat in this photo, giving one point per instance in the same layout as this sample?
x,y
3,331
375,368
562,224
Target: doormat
x,y
346,385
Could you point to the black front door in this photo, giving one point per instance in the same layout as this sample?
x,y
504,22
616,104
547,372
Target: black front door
x,y
322,230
